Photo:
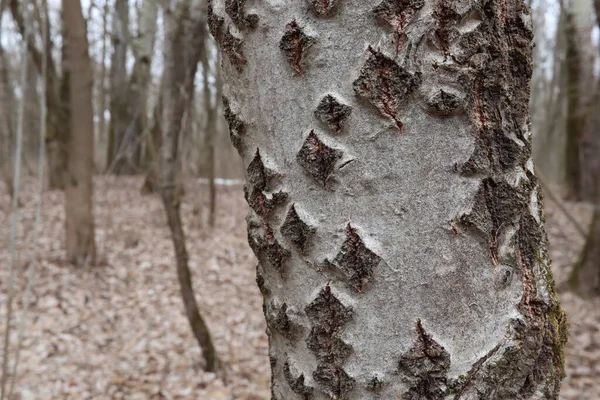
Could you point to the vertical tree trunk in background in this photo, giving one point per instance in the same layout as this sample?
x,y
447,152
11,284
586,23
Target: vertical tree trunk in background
x,y
585,277
181,20
118,141
56,137
102,136
81,248
395,211
589,146
579,62
575,122
137,102
7,114
31,129
209,134
153,146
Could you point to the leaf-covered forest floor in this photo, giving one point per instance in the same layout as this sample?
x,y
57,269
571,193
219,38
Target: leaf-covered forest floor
x,y
118,331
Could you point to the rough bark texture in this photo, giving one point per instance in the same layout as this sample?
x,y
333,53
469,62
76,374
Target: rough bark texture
x,y
414,263
81,248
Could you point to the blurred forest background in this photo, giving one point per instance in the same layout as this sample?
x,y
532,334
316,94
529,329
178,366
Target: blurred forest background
x,y
126,95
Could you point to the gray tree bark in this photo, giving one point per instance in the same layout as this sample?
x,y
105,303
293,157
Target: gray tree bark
x,y
395,212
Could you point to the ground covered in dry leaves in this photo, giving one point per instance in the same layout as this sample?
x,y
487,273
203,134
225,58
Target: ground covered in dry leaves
x,y
118,331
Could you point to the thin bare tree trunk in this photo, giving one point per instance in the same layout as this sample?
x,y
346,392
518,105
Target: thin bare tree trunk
x,y
139,82
117,159
102,136
81,249
394,208
209,134
181,19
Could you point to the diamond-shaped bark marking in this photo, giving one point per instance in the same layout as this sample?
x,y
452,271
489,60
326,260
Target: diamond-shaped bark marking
x,y
297,231
275,253
425,367
447,17
385,84
237,127
328,316
355,260
323,7
496,206
297,383
232,47
265,203
334,379
260,177
332,112
234,9
398,14
317,158
278,319
295,43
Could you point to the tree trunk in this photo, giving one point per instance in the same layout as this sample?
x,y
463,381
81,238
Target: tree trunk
x,y
579,62
137,96
153,146
7,115
585,276
102,136
81,248
180,23
395,213
120,145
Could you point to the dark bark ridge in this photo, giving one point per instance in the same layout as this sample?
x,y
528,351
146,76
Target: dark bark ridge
x,y
328,316
231,42
493,65
237,127
295,44
323,7
332,112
